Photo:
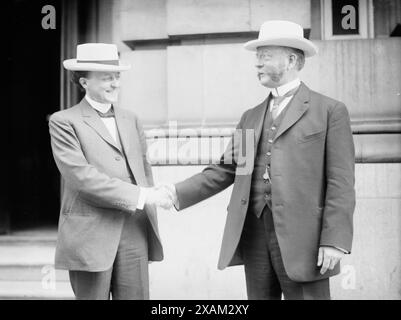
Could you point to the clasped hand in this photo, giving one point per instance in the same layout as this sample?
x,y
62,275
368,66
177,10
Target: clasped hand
x,y
163,196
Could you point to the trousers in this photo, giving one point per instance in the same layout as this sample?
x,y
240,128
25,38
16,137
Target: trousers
x,y
265,275
128,278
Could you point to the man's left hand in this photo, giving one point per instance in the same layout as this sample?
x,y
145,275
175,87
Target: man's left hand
x,y
328,257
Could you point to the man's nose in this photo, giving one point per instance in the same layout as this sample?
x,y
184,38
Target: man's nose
x,y
115,83
258,64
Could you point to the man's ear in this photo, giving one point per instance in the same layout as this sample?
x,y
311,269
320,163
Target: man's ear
x,y
83,83
292,61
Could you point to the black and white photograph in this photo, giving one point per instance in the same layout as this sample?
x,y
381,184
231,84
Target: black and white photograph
x,y
202,150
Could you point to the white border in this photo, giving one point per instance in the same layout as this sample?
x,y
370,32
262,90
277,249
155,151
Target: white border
x,y
366,30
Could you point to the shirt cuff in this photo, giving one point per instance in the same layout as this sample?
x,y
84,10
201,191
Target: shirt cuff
x,y
341,249
176,204
143,193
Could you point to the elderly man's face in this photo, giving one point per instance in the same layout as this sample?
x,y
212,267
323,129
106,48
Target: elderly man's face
x,y
102,87
272,65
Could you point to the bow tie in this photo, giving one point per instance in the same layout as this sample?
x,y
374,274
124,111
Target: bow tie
x,y
108,114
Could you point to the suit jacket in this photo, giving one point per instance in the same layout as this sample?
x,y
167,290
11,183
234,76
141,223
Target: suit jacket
x,y
312,174
95,198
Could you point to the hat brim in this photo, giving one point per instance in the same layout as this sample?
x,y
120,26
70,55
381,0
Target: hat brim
x,y
299,43
73,65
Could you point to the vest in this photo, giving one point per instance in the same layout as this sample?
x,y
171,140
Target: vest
x,y
125,170
260,194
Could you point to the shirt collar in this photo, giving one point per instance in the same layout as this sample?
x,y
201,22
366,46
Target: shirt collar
x,y
282,90
102,107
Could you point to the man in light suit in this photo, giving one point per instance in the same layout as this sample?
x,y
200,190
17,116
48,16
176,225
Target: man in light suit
x,y
107,229
290,217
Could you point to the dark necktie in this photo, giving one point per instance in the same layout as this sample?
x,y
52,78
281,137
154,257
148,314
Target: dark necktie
x,y
108,114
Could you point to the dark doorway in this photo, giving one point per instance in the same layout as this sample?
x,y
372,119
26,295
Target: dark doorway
x,y
33,181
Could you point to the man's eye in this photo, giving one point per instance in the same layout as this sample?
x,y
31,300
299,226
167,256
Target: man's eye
x,y
265,56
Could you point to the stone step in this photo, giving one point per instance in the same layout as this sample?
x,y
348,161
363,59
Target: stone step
x,y
35,290
28,262
27,266
18,272
26,255
38,237
25,240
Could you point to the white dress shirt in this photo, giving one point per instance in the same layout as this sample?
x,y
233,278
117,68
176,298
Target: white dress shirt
x,y
282,90
111,126
110,123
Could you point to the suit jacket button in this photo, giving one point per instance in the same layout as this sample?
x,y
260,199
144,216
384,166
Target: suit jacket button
x,y
118,158
243,201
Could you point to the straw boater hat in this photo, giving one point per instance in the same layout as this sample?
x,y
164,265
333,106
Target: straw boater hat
x,y
282,33
96,57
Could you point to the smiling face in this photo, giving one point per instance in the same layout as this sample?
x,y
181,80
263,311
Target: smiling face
x,y
102,87
275,66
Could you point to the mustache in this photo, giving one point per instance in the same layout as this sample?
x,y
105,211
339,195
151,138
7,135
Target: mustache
x,y
275,76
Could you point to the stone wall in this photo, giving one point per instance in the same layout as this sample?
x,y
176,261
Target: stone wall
x,y
186,76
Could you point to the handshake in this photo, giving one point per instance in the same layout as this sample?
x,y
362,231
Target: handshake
x,y
163,196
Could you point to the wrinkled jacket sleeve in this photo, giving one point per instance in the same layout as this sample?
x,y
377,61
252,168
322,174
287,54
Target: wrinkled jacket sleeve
x,y
337,223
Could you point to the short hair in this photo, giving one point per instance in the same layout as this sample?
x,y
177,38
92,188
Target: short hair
x,y
76,75
299,54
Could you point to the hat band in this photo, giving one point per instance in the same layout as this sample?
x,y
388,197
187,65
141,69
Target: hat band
x,y
107,62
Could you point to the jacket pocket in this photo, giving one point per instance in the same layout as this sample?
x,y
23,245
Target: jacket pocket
x,y
311,137
81,208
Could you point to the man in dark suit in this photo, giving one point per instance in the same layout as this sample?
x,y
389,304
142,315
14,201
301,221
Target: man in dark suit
x,y
107,229
290,216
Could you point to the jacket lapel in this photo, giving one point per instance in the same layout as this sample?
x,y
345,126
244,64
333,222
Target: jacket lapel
x,y
296,108
93,120
131,143
258,120
253,122
123,126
